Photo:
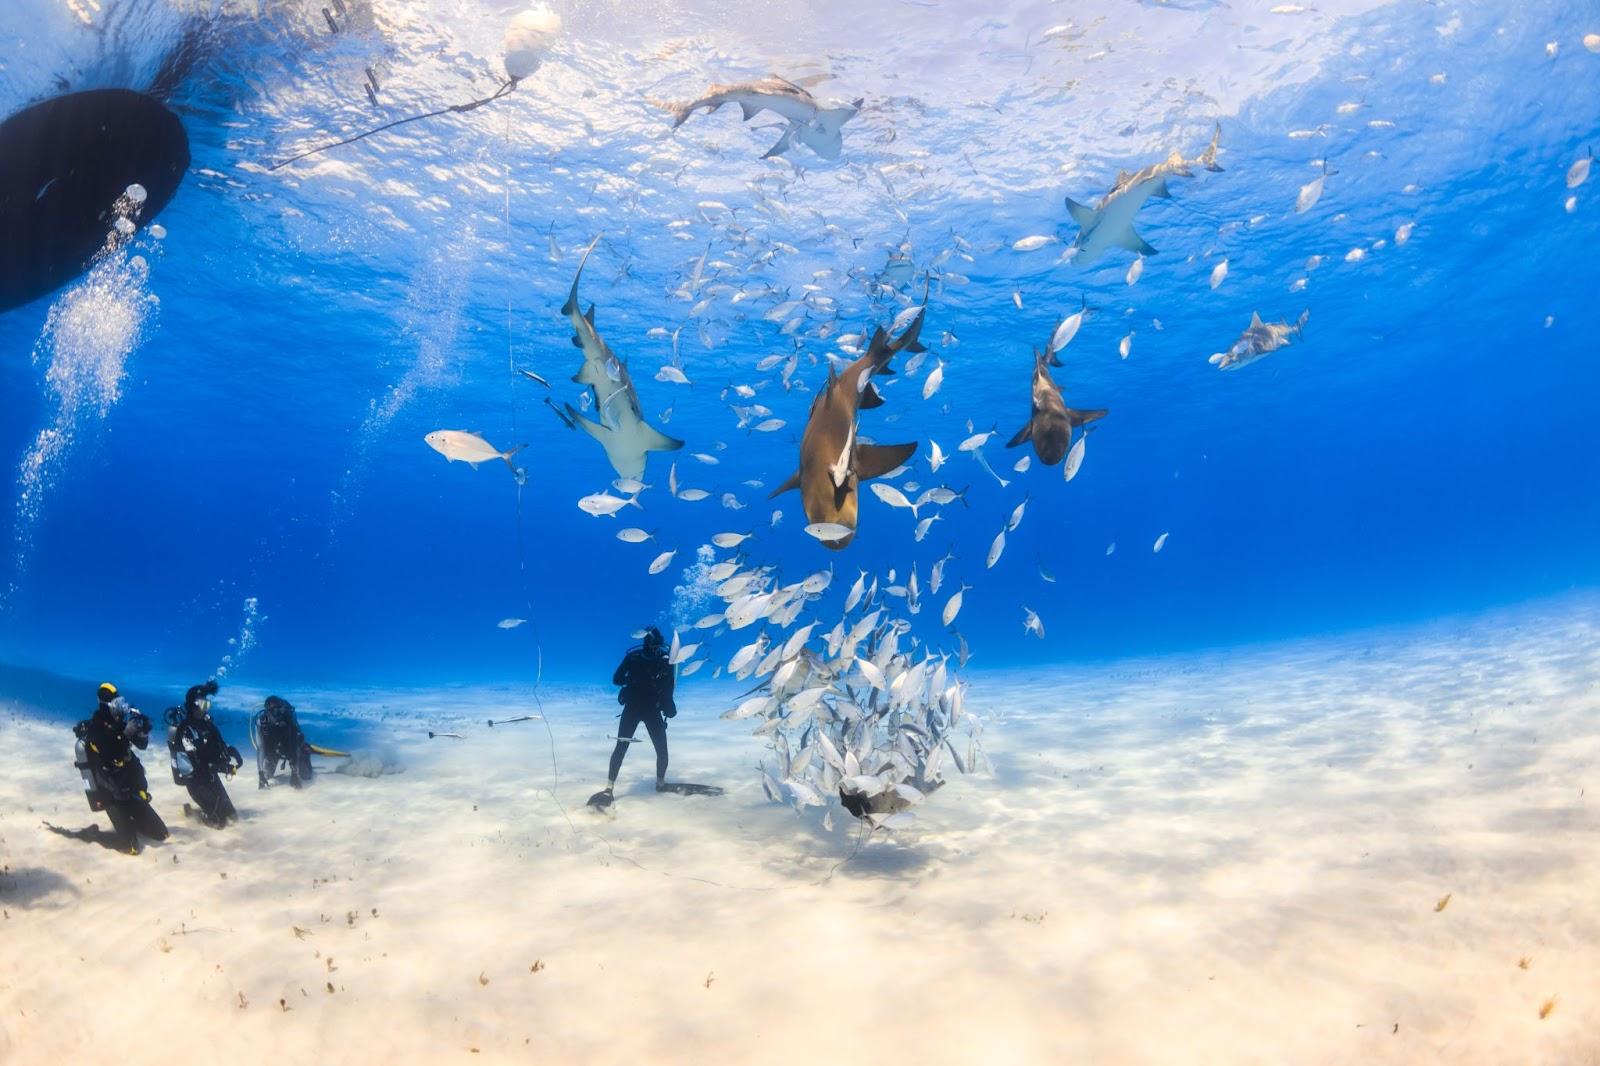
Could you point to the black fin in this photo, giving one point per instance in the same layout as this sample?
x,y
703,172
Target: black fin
x,y
1023,434
869,399
589,315
1083,418
792,483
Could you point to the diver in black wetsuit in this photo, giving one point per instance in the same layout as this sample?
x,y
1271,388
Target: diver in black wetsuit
x,y
279,739
114,774
647,682
200,756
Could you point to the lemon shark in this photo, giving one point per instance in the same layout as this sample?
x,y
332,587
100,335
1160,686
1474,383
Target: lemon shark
x,y
621,430
814,126
833,462
1051,422
1110,224
1259,339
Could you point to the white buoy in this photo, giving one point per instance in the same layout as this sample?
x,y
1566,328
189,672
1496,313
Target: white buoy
x,y
528,36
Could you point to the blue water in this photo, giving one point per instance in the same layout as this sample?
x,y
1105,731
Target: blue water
x,y
1427,449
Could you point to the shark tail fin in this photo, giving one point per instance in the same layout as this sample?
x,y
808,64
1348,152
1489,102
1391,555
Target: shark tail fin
x,y
1082,214
880,350
830,120
1208,158
1300,323
679,110
910,340
1083,418
826,142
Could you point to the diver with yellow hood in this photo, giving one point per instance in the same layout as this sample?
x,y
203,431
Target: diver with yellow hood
x,y
114,778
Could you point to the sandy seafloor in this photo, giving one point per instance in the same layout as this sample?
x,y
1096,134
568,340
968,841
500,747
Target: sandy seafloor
x,y
1228,857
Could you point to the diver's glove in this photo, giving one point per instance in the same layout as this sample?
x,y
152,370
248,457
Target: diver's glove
x,y
235,757
671,710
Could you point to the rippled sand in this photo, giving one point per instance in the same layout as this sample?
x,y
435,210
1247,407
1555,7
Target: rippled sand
x,y
1225,858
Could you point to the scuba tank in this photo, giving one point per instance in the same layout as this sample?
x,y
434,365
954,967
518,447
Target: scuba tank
x,y
80,759
182,765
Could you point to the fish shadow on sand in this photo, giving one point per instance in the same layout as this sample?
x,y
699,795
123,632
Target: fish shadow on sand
x,y
881,858
35,886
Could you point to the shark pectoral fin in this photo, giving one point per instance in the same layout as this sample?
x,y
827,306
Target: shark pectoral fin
x,y
657,441
625,459
749,110
1082,214
1055,360
577,342
869,399
1135,243
589,426
827,143
1023,434
792,483
783,143
1083,418
876,460
1161,190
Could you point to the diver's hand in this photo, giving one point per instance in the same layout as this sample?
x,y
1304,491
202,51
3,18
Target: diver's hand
x,y
238,760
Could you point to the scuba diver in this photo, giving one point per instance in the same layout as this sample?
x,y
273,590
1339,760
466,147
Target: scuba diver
x,y
113,776
200,756
276,733
646,680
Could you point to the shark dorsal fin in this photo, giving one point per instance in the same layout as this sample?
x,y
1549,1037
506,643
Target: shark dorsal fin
x,y
589,316
1255,320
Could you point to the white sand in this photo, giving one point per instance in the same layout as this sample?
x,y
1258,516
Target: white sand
x,y
1212,859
